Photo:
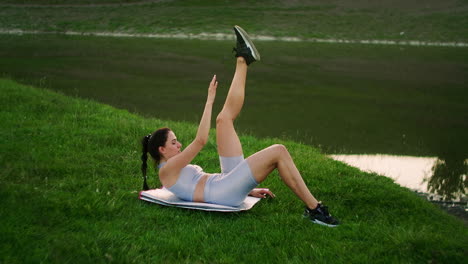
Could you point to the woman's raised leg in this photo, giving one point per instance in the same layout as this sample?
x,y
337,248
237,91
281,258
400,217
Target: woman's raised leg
x,y
226,137
265,161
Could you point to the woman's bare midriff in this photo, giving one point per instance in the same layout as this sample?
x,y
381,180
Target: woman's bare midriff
x,y
198,194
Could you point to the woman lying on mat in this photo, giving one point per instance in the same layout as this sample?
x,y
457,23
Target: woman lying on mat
x,y
239,176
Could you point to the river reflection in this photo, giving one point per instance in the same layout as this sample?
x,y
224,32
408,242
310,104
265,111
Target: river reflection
x,y
442,176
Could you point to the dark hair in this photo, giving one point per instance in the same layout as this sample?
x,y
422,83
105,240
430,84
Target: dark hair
x,y
151,144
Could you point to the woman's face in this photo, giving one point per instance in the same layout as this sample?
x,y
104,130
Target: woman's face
x,y
172,146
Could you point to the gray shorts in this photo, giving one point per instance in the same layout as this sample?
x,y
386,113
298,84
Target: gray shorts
x,y
232,185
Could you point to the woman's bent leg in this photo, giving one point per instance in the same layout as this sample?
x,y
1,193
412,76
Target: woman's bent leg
x,y
226,137
265,161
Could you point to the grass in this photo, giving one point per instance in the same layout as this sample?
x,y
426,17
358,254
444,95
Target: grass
x,y
70,180
394,20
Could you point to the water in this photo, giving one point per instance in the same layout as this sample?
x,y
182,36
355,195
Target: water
x,y
444,179
348,99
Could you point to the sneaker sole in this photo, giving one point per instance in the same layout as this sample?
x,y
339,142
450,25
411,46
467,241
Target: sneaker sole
x,y
319,222
248,42
322,223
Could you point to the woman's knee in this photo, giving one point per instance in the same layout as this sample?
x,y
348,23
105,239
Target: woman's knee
x,y
275,153
280,149
223,117
270,155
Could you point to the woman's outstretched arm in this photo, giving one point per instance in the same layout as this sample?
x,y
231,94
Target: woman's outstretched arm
x,y
205,122
176,163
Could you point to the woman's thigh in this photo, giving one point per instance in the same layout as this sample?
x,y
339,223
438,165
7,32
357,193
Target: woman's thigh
x,y
263,162
231,188
229,163
226,138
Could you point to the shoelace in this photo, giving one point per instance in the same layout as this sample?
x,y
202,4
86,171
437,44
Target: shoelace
x,y
324,211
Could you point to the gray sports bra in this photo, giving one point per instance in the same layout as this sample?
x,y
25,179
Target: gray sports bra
x,y
187,181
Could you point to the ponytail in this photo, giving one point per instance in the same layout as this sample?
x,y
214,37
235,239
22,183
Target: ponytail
x,y
150,144
144,158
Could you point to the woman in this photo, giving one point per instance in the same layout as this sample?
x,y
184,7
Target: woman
x,y
239,176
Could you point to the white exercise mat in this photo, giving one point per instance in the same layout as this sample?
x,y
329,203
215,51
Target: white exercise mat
x,y
165,197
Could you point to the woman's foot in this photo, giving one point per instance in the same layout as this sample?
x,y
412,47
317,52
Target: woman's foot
x,y
320,216
245,47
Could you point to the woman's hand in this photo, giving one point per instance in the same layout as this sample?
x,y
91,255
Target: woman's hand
x,y
212,90
261,193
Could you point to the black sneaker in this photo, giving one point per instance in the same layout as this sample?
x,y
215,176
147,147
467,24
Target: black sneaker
x,y
320,216
245,47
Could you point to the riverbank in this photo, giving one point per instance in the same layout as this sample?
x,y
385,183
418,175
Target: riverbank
x,y
71,179
221,36
399,21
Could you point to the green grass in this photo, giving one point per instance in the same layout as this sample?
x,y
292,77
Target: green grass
x,y
432,20
70,179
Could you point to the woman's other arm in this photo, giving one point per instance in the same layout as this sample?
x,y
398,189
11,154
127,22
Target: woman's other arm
x,y
261,193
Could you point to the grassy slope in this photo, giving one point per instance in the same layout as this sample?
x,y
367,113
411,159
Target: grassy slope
x,y
429,20
70,177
